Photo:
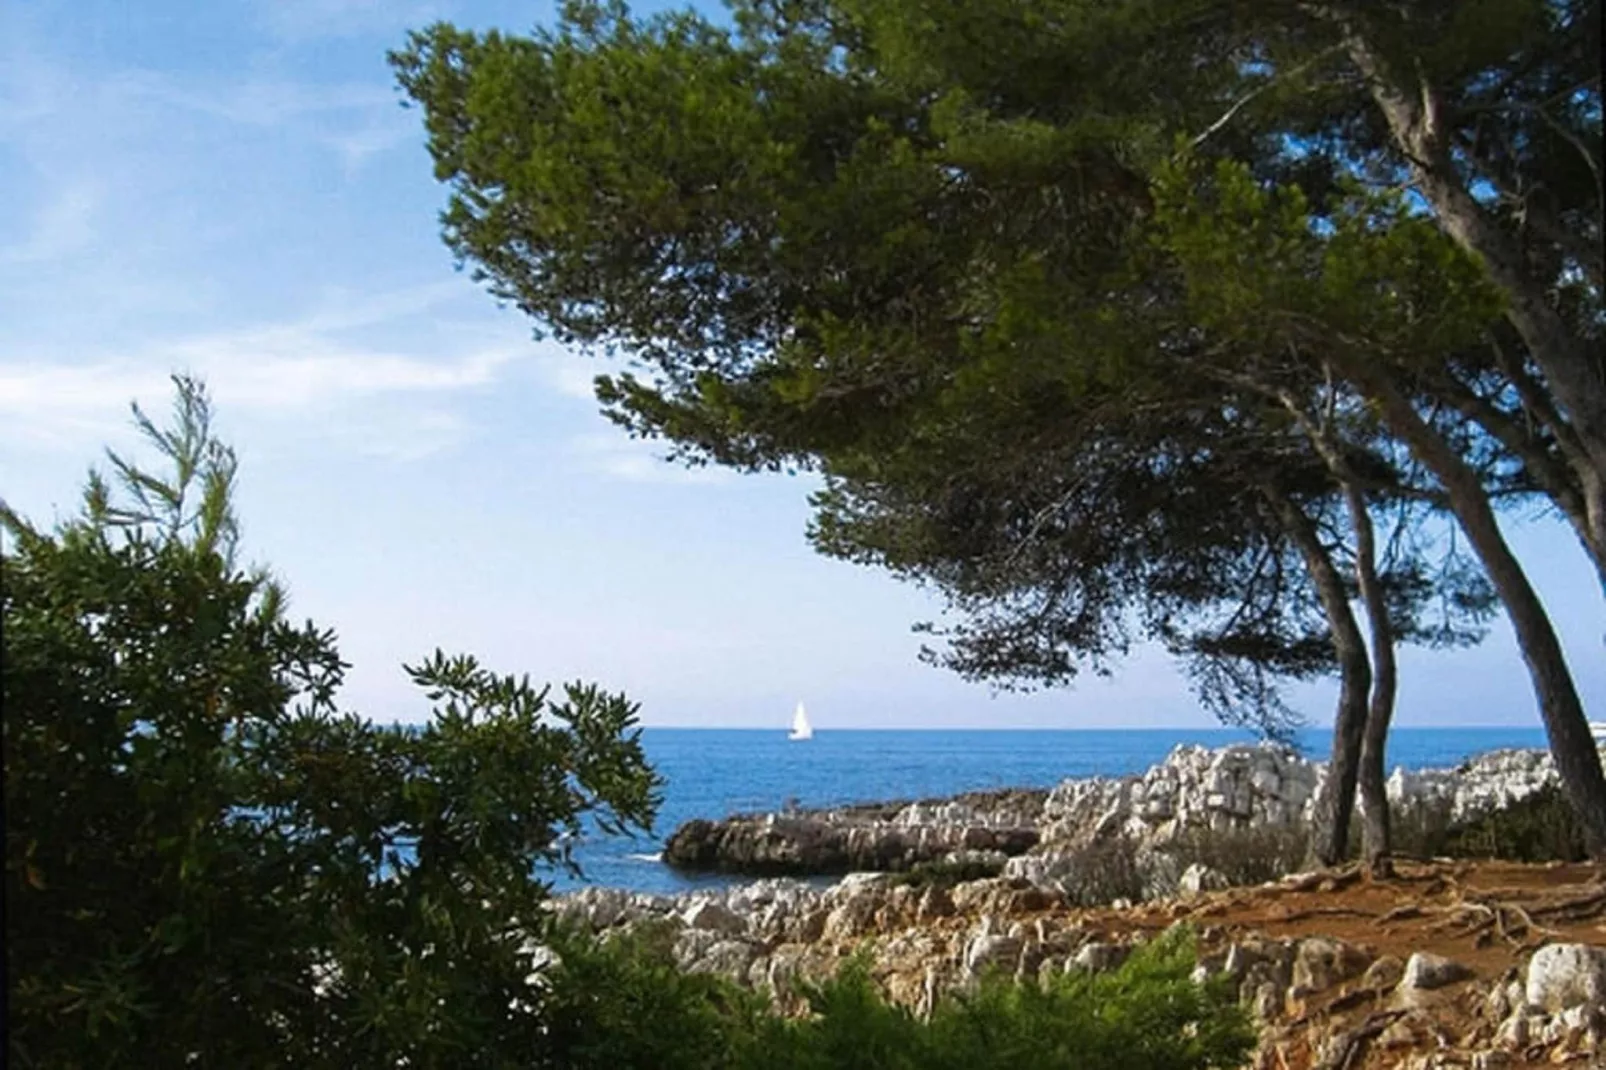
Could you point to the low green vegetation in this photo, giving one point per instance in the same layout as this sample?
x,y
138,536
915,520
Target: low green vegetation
x,y
1540,828
1148,1015
208,864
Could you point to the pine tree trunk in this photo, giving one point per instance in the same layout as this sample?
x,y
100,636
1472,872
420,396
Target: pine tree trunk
x,y
1571,744
1573,368
1380,712
1337,804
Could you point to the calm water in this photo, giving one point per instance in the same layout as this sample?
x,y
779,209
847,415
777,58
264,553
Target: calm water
x,y
717,772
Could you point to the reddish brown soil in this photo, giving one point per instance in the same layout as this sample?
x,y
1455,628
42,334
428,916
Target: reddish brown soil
x,y
1489,916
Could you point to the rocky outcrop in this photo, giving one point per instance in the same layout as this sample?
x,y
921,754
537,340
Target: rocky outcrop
x,y
1035,835
983,827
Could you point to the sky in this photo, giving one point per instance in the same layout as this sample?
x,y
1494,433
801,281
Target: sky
x,y
233,190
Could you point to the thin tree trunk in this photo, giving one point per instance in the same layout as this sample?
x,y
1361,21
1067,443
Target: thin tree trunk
x,y
1380,712
1571,743
1572,369
1385,675
1355,678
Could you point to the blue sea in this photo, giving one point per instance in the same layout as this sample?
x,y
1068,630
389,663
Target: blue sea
x,y
713,773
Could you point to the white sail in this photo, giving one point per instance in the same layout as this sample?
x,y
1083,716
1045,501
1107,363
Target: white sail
x,y
801,729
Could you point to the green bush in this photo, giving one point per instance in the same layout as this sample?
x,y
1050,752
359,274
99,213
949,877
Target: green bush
x,y
1148,1015
1102,872
621,1004
1252,855
207,863
1540,828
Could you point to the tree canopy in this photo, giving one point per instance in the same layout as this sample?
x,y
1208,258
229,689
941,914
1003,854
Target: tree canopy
x,y
1036,283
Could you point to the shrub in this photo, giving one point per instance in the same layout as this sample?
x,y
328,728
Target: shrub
x,y
207,862
1251,855
1540,828
1148,1014
1102,872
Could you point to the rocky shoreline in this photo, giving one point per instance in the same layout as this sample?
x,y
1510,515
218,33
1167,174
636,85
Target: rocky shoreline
x,y
1037,834
1475,965
1451,965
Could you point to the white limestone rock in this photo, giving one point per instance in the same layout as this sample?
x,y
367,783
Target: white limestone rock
x,y
713,916
1561,976
1199,878
1425,971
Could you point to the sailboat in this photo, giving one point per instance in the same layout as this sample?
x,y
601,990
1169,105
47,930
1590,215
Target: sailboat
x,y
801,729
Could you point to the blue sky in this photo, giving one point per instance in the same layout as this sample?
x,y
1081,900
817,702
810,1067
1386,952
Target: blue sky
x,y
233,189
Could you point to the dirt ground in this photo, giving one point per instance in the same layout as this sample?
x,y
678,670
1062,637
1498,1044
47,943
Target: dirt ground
x,y
1488,916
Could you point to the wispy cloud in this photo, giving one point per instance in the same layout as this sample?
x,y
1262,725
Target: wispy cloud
x,y
302,369
257,102
638,460
63,225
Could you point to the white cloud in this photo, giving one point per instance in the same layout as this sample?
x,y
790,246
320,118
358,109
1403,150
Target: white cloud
x,y
391,398
258,102
639,460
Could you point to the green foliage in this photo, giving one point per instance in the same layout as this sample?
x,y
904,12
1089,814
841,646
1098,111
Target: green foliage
x,y
1147,1014
1250,855
624,1003
988,282
207,862
1540,828
621,1003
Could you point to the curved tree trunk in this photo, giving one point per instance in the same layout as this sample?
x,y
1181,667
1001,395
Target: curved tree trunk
x,y
1573,368
1571,743
1355,678
1385,675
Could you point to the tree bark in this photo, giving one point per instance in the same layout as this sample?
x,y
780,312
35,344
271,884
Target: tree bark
x,y
1355,677
1571,743
1378,846
1573,370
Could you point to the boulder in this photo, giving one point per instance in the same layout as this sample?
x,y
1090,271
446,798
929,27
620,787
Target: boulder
x,y
713,916
1425,971
728,958
1566,975
1383,974
991,951
1098,957
1320,964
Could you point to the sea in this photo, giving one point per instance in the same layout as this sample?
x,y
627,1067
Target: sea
x,y
714,773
